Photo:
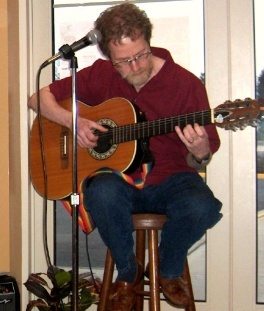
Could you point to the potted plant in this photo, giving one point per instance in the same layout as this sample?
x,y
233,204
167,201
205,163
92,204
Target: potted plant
x,y
54,292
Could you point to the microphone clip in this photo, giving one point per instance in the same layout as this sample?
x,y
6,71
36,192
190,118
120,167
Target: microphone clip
x,y
66,51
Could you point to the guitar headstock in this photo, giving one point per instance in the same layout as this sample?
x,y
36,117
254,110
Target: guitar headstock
x,y
239,114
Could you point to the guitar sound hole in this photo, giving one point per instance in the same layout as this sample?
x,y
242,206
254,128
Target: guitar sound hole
x,y
104,142
105,147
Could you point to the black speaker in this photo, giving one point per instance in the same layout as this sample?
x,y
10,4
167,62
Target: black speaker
x,y
9,294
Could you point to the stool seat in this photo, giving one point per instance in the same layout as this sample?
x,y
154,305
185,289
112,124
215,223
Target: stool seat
x,y
150,224
149,221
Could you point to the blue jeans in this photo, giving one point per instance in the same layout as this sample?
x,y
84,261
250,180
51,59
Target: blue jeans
x,y
185,198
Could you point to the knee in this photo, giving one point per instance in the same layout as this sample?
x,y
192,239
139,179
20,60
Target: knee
x,y
102,192
208,212
101,182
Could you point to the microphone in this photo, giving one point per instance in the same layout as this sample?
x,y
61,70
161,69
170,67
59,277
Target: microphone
x,y
93,37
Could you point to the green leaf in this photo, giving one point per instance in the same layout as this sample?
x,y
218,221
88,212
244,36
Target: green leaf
x,y
63,278
52,271
65,291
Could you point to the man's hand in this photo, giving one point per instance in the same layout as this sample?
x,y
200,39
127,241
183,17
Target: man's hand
x,y
195,139
85,132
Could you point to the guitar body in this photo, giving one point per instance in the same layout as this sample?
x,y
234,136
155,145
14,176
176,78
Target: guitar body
x,y
58,148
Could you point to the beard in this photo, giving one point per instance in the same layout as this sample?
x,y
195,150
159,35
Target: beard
x,y
140,77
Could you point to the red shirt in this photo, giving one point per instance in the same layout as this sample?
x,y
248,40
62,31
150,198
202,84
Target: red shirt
x,y
173,91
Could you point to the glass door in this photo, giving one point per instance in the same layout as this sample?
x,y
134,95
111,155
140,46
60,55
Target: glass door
x,y
259,52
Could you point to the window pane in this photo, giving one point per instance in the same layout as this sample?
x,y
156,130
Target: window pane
x,y
178,26
259,52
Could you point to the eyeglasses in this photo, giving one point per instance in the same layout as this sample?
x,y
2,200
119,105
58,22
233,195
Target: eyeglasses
x,y
138,59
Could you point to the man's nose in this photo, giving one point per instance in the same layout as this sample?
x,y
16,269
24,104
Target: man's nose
x,y
134,65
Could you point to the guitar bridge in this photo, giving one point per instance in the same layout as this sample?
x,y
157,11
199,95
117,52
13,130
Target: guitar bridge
x,y
64,148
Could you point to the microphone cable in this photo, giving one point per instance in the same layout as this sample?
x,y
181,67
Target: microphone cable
x,y
45,197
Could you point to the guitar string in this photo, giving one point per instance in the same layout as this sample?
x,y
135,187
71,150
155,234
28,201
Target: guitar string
x,y
153,127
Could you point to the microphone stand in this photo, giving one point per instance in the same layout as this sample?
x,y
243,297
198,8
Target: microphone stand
x,y
75,196
68,53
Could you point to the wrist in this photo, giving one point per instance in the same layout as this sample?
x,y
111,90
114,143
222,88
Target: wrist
x,y
202,161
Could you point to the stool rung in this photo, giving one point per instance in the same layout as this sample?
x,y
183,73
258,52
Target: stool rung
x,y
143,293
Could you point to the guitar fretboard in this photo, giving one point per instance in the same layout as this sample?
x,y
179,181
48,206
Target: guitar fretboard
x,y
148,129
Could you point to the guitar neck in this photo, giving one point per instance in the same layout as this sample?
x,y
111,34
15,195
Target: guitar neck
x,y
162,126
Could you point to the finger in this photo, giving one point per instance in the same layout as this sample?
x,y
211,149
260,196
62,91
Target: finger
x,y
189,133
87,139
80,142
99,127
184,136
200,130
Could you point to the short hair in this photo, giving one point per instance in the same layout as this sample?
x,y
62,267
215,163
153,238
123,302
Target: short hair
x,y
123,20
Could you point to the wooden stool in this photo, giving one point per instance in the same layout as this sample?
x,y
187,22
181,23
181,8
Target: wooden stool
x,y
143,223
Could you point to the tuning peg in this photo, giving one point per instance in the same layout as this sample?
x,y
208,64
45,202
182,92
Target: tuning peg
x,y
231,127
253,123
261,117
242,126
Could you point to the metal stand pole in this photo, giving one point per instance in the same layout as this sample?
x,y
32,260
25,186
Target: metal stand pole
x,y
68,53
75,195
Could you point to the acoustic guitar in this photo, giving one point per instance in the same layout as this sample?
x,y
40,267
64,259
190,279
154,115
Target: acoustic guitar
x,y
117,148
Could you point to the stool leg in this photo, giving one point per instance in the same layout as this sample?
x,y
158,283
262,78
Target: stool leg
x,y
107,281
140,245
153,271
187,278
140,253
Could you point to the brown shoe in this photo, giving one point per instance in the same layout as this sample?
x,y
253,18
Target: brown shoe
x,y
176,291
122,296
